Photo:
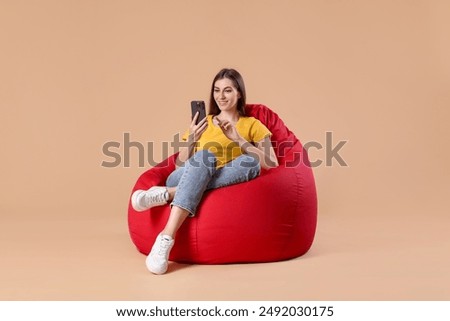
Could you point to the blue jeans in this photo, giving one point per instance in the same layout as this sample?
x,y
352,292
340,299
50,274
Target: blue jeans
x,y
199,173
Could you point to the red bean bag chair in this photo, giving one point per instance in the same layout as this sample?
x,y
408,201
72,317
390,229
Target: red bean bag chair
x,y
270,218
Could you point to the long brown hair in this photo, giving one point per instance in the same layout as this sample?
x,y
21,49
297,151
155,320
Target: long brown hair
x,y
238,83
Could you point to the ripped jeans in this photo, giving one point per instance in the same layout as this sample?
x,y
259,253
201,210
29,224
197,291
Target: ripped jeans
x,y
199,173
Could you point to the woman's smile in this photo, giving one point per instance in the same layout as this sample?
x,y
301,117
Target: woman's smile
x,y
225,94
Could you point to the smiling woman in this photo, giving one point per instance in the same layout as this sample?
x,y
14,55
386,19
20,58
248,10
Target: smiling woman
x,y
227,86
267,219
223,149
225,95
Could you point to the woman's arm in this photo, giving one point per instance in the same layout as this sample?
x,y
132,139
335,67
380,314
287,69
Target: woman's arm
x,y
186,151
195,131
263,151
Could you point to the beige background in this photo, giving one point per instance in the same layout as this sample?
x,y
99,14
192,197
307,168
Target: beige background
x,y
77,74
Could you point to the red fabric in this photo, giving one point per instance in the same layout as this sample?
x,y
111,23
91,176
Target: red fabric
x,y
270,218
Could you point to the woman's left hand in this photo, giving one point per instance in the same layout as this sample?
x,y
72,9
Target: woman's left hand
x,y
229,130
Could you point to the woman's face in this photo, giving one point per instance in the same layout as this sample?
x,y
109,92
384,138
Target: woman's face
x,y
226,95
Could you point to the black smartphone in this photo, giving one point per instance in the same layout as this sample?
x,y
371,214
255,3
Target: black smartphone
x,y
198,106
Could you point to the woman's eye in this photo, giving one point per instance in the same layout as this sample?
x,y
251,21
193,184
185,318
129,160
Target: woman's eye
x,y
228,91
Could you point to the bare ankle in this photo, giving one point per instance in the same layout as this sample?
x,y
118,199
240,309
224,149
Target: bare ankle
x,y
171,191
168,233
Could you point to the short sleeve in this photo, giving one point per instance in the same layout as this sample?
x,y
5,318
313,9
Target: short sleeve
x,y
258,131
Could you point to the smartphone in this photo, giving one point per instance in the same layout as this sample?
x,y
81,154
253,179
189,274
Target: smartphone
x,y
198,106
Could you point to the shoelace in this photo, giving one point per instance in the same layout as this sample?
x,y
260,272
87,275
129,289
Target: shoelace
x,y
157,198
164,246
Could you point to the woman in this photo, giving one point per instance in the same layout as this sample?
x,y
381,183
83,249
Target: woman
x,y
224,148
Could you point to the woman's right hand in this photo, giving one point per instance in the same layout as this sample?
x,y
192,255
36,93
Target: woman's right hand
x,y
196,131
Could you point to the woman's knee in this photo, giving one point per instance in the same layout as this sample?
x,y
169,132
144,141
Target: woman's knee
x,y
174,177
251,164
249,161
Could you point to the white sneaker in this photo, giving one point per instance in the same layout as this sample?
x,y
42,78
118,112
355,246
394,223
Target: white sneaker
x,y
157,260
143,200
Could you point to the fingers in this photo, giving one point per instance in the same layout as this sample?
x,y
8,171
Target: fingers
x,y
225,125
194,119
197,130
201,127
193,127
201,122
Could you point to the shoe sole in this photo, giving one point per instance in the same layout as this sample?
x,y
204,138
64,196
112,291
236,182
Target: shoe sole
x,y
158,271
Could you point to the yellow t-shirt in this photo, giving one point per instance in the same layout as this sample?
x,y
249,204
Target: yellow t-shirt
x,y
214,140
